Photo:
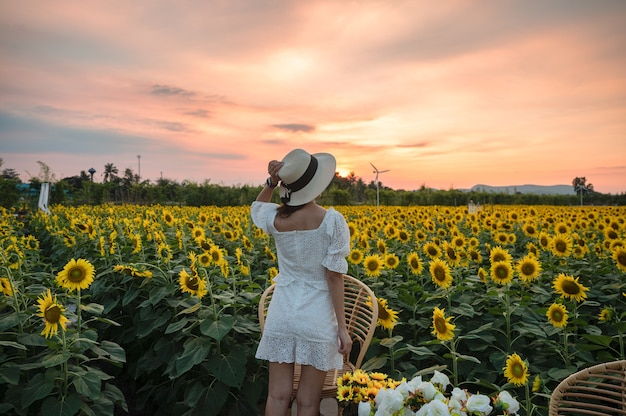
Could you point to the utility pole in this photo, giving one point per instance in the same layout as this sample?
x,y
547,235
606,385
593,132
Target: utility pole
x,y
138,168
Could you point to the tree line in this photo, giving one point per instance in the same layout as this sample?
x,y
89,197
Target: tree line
x,y
128,188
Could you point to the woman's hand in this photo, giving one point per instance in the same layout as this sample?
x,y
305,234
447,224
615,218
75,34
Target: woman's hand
x,y
345,342
272,168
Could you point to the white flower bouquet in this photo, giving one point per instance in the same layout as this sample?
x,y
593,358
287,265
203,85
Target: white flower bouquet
x,y
373,394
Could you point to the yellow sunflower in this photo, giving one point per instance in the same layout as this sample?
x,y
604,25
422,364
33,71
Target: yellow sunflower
x,y
5,283
452,256
381,246
440,273
168,218
204,259
516,370
619,256
561,245
192,284
544,240
499,254
528,268
569,287
557,315
355,256
442,327
415,263
132,271
373,264
432,250
387,317
529,229
501,272
605,315
52,314
391,261
77,274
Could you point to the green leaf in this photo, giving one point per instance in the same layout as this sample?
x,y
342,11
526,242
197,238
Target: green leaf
x,y
390,342
93,308
229,369
32,340
13,344
217,329
107,321
11,320
193,394
87,385
113,351
115,395
36,389
190,309
375,363
9,375
195,351
129,296
64,407
55,359
176,326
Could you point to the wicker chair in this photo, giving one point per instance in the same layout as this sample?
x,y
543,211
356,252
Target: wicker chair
x,y
599,390
361,310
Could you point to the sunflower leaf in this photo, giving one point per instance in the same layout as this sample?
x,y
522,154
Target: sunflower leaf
x,y
219,328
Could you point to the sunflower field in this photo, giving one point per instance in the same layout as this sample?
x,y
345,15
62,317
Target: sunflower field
x,y
152,310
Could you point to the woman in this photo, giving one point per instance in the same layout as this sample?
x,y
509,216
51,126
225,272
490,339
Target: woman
x,y
305,322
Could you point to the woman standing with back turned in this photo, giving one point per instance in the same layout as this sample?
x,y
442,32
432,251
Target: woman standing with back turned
x,y
305,322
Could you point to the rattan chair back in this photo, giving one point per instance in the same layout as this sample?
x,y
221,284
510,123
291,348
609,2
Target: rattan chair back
x,y
599,390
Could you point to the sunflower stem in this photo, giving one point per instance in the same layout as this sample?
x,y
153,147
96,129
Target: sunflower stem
x,y
507,317
78,313
529,404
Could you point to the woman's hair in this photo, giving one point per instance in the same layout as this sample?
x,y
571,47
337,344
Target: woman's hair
x,y
285,211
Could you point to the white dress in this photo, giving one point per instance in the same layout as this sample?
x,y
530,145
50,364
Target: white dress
x,y
301,326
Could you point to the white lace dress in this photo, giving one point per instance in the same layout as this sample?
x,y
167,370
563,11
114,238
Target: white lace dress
x,y
300,326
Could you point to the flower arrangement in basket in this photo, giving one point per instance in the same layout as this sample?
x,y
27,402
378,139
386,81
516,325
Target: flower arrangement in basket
x,y
374,394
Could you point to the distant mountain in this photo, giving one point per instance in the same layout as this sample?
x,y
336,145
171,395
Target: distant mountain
x,y
526,189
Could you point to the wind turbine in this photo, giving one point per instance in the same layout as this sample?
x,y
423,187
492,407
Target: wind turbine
x,y
377,172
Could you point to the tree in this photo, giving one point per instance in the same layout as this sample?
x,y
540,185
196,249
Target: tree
x,y
110,172
580,185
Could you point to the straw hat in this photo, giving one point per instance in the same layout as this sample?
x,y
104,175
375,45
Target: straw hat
x,y
304,176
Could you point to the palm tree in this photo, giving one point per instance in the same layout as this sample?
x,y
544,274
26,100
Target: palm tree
x,y
110,172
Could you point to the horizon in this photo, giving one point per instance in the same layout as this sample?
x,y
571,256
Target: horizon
x,y
445,96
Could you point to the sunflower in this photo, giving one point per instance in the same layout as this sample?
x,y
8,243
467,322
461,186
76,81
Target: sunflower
x,y
5,284
355,256
536,384
561,245
415,263
516,370
453,258
482,274
268,253
381,246
52,314
442,326
544,240
432,250
164,252
529,229
192,284
440,273
404,236
136,243
168,217
501,272
557,315
619,256
528,268
569,287
77,274
204,259
605,315
132,271
499,254
373,264
501,238
387,317
391,261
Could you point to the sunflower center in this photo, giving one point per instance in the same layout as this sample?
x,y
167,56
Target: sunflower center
x,y
372,266
570,287
517,370
501,272
557,316
382,313
76,275
415,264
528,268
440,274
52,314
440,325
192,283
560,246
621,258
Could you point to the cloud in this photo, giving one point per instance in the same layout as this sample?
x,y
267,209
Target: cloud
x,y
169,90
295,127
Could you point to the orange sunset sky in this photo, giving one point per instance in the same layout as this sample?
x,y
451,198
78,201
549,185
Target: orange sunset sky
x,y
446,94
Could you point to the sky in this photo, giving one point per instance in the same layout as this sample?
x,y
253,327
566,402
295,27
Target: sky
x,y
445,94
